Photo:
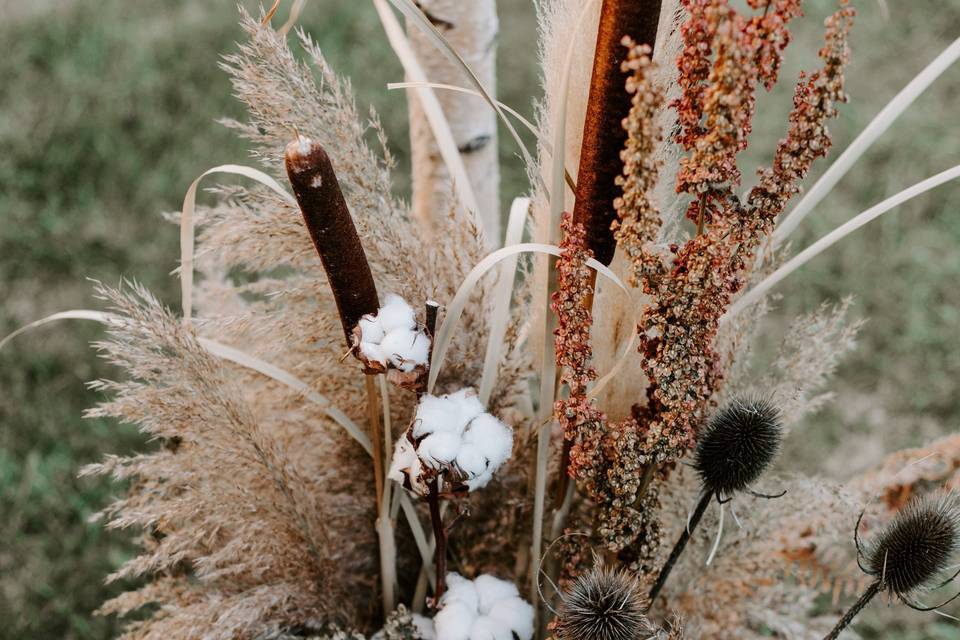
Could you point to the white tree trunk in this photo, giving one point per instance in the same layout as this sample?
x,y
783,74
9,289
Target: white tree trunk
x,y
471,28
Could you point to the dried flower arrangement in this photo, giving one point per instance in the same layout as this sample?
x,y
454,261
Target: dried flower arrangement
x,y
310,431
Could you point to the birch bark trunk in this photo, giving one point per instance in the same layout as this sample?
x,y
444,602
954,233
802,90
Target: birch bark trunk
x,y
471,27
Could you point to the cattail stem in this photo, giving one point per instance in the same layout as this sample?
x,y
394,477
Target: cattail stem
x,y
440,535
681,544
853,611
603,133
332,230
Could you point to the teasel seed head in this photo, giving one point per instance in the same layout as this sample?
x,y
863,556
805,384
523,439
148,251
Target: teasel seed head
x,y
737,445
604,604
912,553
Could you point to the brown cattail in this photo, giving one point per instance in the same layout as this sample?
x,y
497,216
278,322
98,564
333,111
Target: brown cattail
x,y
603,133
331,228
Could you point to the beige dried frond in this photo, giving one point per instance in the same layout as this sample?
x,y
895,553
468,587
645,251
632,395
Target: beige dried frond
x,y
810,353
766,574
237,527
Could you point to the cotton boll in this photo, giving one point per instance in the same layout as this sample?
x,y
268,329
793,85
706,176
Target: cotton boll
x,y
488,629
468,405
396,344
439,448
415,354
373,352
396,314
437,413
453,621
471,462
491,590
491,438
480,481
515,614
433,414
370,329
405,461
461,590
424,626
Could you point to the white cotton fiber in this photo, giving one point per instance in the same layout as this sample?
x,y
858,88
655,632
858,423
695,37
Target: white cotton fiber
x,y
439,448
424,626
433,414
370,329
396,314
481,480
453,621
491,438
397,343
487,629
471,461
490,590
468,405
461,590
417,354
515,614
373,352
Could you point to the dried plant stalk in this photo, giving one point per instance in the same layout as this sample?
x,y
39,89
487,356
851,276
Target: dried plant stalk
x,y
607,106
331,228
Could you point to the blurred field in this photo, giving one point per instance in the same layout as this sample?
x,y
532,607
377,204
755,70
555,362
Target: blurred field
x,y
107,112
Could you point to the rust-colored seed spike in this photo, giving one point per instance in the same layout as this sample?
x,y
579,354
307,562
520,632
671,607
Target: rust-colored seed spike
x,y
331,228
603,133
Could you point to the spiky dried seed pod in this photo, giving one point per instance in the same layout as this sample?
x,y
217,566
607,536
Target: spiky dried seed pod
x,y
604,604
737,445
912,553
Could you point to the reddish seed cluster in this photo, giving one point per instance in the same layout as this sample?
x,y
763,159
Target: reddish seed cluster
x,y
582,422
639,221
814,102
726,56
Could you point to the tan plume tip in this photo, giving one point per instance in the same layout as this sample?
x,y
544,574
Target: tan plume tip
x,y
603,133
331,228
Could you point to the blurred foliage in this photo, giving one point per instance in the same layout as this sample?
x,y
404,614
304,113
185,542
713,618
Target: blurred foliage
x,y
108,112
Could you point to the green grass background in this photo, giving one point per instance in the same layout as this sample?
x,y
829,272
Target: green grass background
x,y
107,112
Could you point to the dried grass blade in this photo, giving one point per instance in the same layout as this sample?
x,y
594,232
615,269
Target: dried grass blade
x,y
187,223
456,306
824,243
887,116
502,297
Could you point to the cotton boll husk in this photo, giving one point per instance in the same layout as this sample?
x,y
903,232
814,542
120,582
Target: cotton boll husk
x,y
404,460
468,404
471,461
461,590
373,352
491,438
396,314
439,448
454,621
435,413
491,590
371,329
488,629
515,614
